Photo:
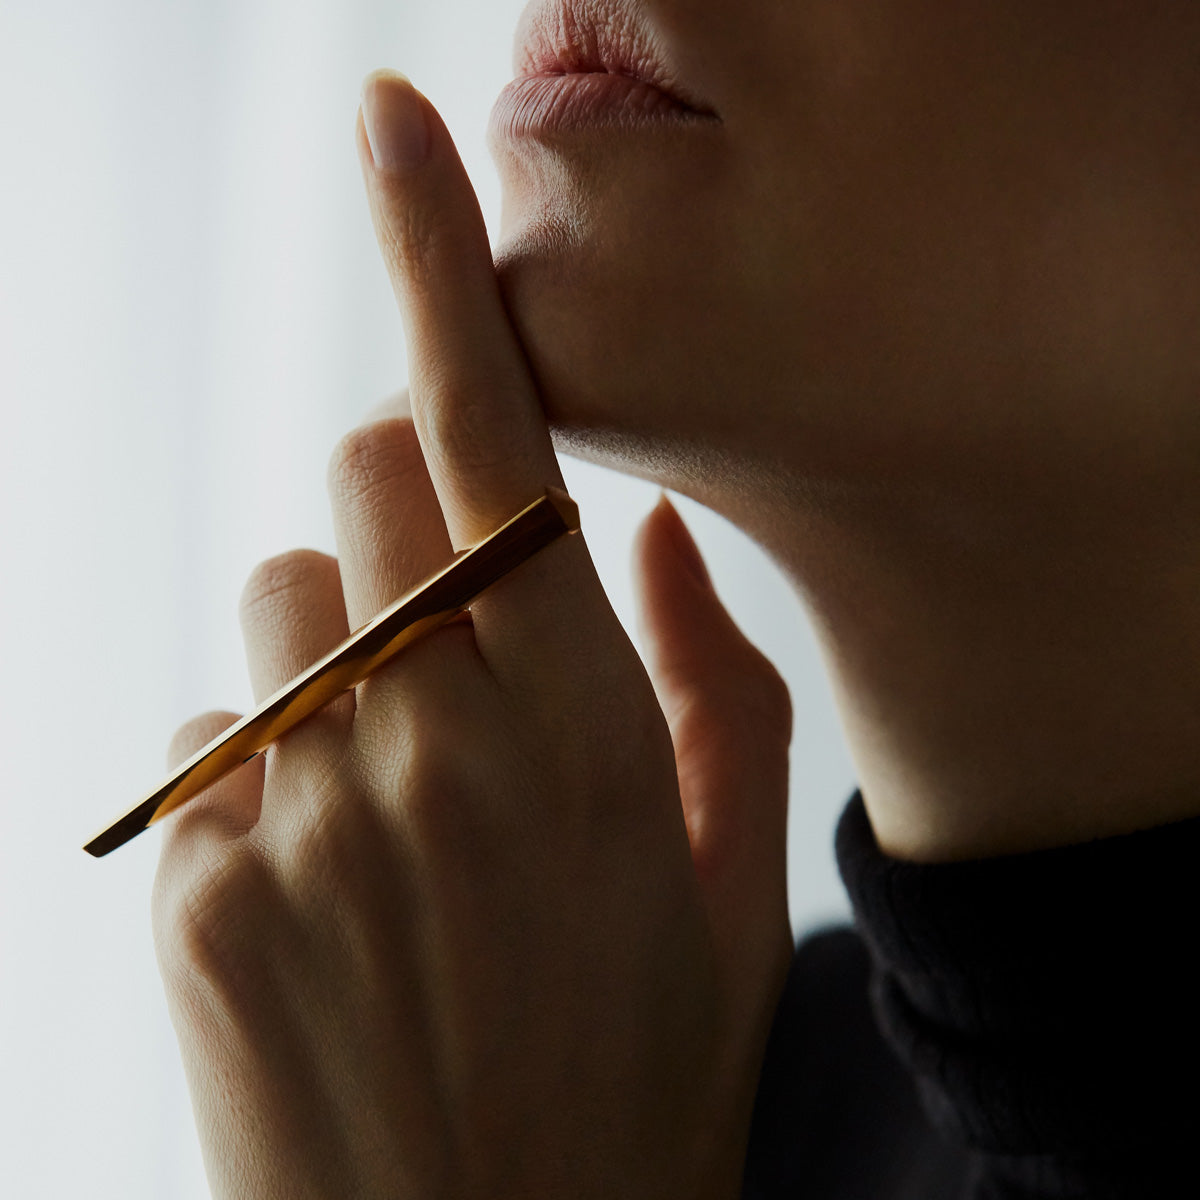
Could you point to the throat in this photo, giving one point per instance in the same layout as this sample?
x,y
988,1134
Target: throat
x,y
1007,685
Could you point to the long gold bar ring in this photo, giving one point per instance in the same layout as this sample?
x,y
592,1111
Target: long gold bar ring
x,y
418,612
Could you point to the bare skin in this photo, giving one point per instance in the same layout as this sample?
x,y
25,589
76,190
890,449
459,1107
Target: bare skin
x,y
509,921
918,312
920,318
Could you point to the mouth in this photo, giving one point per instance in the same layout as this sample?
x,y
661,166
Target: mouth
x,y
587,63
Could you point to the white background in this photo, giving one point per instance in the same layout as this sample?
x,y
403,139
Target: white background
x,y
192,309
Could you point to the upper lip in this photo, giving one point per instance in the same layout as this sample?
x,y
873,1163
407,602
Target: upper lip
x,y
572,37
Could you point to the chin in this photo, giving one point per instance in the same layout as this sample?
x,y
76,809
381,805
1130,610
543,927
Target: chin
x,y
606,351
622,284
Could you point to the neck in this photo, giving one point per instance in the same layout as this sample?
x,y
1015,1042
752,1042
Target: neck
x,y
1009,677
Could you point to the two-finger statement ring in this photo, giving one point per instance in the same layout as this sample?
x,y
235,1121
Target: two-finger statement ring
x,y
419,611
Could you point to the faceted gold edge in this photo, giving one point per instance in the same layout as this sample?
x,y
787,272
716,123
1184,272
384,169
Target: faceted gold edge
x,y
173,792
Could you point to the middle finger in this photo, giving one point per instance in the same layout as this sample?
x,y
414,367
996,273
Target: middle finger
x,y
386,517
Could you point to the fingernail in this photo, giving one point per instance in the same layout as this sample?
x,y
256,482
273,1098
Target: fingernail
x,y
394,116
685,546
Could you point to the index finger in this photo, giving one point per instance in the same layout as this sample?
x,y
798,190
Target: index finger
x,y
474,404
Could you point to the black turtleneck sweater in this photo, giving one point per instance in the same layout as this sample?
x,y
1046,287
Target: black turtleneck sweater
x,y
1006,1029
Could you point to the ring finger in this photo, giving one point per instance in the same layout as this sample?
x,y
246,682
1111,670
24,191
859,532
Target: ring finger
x,y
292,613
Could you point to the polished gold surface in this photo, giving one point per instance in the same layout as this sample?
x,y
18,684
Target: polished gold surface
x,y
419,611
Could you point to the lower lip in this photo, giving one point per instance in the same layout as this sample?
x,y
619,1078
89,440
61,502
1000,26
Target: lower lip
x,y
545,105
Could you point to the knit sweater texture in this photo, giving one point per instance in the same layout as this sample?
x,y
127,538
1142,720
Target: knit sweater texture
x,y
1017,1028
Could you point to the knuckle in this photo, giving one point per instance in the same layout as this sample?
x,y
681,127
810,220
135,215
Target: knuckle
x,y
330,847
417,239
197,732
474,429
202,909
273,581
370,456
438,792
332,824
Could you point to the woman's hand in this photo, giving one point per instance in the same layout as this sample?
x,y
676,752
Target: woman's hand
x,y
490,926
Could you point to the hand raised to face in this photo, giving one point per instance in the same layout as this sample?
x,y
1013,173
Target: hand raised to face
x,y
493,925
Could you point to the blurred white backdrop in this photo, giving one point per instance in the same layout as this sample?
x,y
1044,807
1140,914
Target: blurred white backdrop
x,y
192,310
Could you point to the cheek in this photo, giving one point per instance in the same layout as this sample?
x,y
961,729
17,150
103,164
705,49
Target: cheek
x,y
989,224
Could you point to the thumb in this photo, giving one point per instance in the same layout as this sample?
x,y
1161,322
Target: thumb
x,y
731,721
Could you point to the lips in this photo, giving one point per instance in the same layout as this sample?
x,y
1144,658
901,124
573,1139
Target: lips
x,y
587,62
581,37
